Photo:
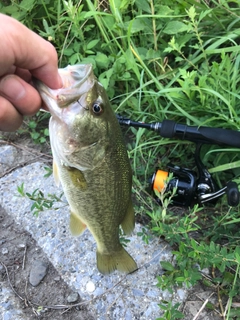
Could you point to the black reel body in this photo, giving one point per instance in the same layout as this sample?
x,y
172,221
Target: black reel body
x,y
192,187
184,181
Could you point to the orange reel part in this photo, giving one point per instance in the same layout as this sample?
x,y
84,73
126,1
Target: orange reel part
x,y
159,180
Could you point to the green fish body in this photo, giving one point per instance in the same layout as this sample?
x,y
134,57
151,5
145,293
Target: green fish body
x,y
91,163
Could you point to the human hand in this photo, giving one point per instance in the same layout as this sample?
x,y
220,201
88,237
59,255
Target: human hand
x,y
23,54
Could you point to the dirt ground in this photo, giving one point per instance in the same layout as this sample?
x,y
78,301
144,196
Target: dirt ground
x,y
22,251
40,302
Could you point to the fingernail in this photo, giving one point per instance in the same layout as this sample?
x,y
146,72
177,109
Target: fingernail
x,y
11,88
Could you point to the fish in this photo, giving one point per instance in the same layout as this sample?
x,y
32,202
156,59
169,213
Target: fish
x,y
91,163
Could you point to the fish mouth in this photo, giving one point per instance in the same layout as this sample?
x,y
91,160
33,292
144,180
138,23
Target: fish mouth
x,y
75,76
77,80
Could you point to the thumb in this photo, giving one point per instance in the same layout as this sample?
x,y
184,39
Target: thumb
x,y
22,95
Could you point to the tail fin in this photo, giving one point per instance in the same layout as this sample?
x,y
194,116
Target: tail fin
x,y
120,260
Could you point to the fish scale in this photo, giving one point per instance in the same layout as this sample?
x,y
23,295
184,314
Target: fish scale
x,y
91,163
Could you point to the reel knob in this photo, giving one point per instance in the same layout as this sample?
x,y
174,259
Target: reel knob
x,y
232,194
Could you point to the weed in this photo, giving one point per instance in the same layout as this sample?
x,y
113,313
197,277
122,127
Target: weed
x,y
40,202
37,127
170,311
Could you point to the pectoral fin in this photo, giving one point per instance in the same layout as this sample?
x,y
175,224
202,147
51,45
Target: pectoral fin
x,y
77,178
76,225
128,222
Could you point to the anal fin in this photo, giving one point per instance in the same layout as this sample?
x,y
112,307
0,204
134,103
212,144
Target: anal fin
x,y
76,225
128,222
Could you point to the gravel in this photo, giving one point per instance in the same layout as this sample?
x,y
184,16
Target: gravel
x,y
116,296
9,305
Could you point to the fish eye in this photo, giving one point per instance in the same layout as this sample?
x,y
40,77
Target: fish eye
x,y
97,108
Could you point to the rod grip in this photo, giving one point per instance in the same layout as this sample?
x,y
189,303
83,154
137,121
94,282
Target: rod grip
x,y
171,129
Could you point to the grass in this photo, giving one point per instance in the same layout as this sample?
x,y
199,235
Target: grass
x,y
160,61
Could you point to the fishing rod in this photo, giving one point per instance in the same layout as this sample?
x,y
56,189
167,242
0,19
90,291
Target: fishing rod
x,y
191,186
171,129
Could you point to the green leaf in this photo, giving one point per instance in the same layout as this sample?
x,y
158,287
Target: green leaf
x,y
180,279
143,5
126,76
175,27
194,244
192,13
124,5
102,60
75,58
92,44
136,25
45,24
77,46
237,256
166,265
104,78
11,10
27,4
42,140
228,279
89,52
203,14
46,132
68,51
32,124
48,173
34,205
20,189
235,312
35,135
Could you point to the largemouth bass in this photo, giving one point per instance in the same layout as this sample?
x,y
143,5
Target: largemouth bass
x,y
91,163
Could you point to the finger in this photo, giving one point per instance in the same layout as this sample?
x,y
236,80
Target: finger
x,y
22,95
47,71
24,74
10,118
25,49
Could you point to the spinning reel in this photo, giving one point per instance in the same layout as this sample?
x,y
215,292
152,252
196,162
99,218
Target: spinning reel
x,y
190,186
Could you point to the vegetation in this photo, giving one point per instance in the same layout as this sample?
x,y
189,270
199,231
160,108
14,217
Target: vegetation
x,y
158,60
